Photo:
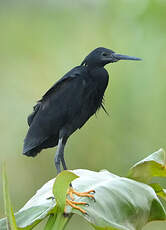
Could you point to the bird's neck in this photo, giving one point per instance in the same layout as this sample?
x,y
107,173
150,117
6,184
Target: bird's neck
x,y
100,77
97,71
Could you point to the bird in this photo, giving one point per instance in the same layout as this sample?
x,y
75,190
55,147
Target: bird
x,y
69,104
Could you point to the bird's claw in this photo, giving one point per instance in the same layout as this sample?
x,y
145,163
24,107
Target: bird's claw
x,y
74,204
80,194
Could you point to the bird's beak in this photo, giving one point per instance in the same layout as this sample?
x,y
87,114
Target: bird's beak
x,y
124,57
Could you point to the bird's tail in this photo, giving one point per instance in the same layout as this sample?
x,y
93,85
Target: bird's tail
x,y
32,152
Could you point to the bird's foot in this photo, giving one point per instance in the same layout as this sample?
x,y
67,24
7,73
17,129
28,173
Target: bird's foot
x,y
74,204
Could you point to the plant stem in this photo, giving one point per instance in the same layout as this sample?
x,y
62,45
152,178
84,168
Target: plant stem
x,y
50,222
57,221
61,221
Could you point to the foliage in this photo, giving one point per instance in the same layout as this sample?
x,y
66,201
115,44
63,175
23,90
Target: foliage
x,y
10,222
121,203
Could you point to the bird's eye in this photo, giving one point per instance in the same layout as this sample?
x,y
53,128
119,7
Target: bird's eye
x,y
104,54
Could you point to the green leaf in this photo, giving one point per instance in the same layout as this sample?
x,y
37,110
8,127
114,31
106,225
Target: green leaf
x,y
36,209
41,204
50,222
10,220
121,203
61,186
159,190
152,166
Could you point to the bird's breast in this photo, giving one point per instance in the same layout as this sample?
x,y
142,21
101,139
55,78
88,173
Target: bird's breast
x,y
100,79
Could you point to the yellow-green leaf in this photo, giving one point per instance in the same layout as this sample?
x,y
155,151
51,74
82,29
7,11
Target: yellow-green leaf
x,y
61,186
152,166
159,190
10,221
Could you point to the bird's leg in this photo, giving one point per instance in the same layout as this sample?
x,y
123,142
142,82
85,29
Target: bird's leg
x,y
63,162
59,154
59,157
62,157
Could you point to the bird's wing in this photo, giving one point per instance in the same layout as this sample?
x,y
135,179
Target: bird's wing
x,y
68,76
75,72
51,112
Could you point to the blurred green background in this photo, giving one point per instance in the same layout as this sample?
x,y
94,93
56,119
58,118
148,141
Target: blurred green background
x,y
39,42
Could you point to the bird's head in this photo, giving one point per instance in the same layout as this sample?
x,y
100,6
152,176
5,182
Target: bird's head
x,y
101,56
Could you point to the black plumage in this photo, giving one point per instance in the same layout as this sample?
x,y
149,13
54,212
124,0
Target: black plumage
x,y
68,104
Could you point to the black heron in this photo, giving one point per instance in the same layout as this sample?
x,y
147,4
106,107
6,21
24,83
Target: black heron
x,y
69,103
